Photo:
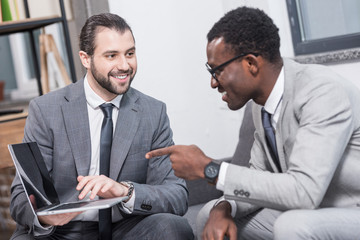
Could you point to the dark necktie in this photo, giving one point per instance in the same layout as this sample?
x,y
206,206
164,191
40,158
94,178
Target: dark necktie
x,y
270,136
105,221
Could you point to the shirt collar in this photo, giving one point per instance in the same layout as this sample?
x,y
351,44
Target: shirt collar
x,y
276,94
95,100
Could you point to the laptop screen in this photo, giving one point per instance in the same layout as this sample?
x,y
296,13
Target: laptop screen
x,y
34,174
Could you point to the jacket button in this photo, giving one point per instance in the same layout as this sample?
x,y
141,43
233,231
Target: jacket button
x,y
241,193
146,207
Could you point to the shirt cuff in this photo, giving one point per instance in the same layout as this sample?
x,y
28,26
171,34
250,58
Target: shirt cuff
x,y
220,185
129,205
40,229
231,202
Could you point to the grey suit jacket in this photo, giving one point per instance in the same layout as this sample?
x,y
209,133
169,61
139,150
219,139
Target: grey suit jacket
x,y
59,123
318,142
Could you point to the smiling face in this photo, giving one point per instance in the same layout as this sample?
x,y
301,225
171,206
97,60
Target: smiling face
x,y
113,65
236,81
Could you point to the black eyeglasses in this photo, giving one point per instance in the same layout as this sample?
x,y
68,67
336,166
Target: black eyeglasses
x,y
212,71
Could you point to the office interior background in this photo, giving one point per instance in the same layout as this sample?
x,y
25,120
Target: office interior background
x,y
171,41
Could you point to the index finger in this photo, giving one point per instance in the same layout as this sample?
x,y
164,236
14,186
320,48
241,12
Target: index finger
x,y
159,152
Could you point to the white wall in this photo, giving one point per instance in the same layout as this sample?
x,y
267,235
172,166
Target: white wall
x,y
171,40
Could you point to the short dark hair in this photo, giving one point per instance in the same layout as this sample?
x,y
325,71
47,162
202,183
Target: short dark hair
x,y
89,30
248,30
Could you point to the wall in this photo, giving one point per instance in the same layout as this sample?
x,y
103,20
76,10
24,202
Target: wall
x,y
81,10
171,40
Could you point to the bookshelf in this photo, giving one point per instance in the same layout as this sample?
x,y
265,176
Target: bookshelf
x,y
9,27
12,124
29,25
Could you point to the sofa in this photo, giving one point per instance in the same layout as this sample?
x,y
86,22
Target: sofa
x,y
200,192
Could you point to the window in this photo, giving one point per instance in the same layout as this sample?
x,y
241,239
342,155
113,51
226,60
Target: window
x,y
324,25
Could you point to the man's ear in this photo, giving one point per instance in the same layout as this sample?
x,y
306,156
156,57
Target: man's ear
x,y
253,64
85,59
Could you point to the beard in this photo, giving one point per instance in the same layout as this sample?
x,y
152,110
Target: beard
x,y
106,83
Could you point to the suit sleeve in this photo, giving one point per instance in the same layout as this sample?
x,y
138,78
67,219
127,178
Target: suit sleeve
x,y
163,192
20,208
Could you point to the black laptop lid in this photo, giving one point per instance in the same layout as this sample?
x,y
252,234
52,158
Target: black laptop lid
x,y
34,174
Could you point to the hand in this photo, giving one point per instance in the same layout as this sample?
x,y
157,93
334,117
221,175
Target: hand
x,y
220,223
56,219
100,185
188,162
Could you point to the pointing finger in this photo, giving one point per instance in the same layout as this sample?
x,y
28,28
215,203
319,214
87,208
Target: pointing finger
x,y
159,152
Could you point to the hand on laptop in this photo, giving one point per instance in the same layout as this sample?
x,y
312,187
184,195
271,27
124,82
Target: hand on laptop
x,y
101,186
56,219
188,162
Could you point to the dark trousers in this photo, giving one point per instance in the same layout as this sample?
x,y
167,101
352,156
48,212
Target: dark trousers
x,y
156,226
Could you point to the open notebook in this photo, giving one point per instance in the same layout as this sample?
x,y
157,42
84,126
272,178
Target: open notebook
x,y
35,178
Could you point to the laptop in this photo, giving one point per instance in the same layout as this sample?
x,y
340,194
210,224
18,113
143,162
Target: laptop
x,y
38,184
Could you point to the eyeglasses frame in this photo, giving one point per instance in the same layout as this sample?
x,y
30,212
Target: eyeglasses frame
x,y
213,70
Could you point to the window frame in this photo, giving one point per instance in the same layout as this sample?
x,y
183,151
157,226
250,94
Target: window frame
x,y
322,45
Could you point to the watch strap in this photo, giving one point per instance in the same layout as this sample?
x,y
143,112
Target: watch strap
x,y
130,187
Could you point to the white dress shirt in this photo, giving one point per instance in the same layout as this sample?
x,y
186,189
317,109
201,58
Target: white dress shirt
x,y
96,117
272,106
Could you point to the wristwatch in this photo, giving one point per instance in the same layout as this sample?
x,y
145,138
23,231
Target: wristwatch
x,y
129,185
211,172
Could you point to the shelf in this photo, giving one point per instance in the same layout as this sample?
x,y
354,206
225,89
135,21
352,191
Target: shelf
x,y
27,24
14,107
10,132
13,116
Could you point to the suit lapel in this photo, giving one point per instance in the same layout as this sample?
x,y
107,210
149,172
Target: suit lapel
x,y
77,127
280,135
261,131
126,127
283,126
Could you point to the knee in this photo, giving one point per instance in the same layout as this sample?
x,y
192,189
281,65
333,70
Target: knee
x,y
172,227
293,224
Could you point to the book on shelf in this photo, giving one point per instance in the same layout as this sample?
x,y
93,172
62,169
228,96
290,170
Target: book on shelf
x,y
20,9
0,13
5,10
12,10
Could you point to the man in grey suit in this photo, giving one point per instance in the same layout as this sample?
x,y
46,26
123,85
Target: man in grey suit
x,y
305,161
67,123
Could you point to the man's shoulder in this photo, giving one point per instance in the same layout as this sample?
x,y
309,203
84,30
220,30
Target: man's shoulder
x,y
58,96
311,78
303,73
143,98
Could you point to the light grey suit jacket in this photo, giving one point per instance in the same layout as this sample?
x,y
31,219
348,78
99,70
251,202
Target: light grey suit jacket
x,y
59,123
318,142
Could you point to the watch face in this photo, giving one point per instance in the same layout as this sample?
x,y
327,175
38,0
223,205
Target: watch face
x,y
211,171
